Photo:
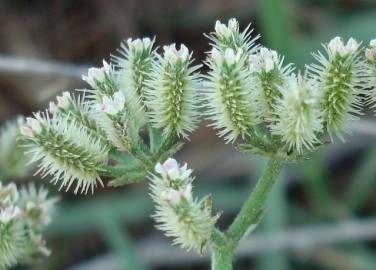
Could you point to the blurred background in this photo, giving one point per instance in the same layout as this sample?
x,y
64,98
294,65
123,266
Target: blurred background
x,y
322,213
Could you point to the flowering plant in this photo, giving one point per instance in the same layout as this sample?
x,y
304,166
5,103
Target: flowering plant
x,y
141,105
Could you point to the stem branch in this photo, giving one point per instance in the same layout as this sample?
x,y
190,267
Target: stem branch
x,y
247,218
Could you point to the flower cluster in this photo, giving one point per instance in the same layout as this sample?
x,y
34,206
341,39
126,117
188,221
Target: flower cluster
x,y
23,217
82,138
178,214
251,94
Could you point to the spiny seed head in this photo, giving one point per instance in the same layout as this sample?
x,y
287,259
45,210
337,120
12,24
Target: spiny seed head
x,y
229,36
231,103
66,151
178,214
134,64
297,114
172,95
340,76
270,75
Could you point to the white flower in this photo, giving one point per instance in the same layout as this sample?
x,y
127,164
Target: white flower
x,y
265,59
336,45
112,105
229,57
97,74
63,100
139,44
31,127
370,53
226,31
174,196
172,55
171,169
8,214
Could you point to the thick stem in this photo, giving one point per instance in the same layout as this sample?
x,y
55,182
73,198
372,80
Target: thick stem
x,y
247,218
250,213
222,259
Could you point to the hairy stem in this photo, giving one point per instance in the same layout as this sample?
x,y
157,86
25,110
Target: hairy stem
x,y
247,218
222,259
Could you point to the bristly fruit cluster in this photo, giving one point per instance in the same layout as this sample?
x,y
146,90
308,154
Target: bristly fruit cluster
x,y
23,216
178,214
141,105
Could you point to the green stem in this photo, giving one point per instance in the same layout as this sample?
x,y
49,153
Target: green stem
x,y
222,259
247,218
